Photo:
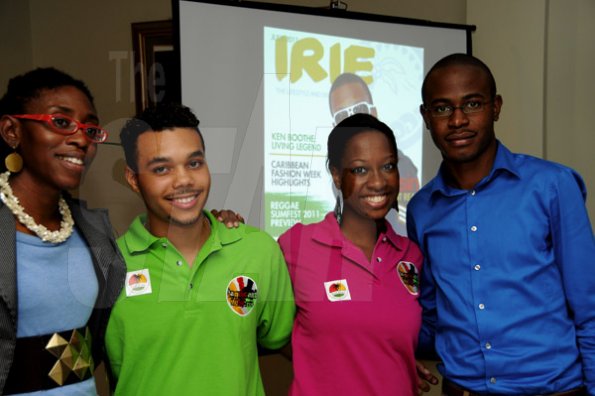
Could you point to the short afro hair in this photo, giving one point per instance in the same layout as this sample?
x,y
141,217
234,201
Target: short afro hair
x,y
157,118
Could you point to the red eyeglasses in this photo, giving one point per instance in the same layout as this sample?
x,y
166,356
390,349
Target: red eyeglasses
x,y
65,125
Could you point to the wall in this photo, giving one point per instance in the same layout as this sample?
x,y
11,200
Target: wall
x,y
15,45
568,107
542,54
514,51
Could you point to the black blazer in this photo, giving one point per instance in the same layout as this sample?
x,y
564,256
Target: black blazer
x,y
109,266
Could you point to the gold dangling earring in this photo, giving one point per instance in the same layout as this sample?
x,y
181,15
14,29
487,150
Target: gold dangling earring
x,y
14,161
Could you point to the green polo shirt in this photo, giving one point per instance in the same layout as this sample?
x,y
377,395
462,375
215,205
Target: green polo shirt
x,y
181,330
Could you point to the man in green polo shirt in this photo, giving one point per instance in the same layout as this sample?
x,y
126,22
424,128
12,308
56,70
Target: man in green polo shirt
x,y
198,296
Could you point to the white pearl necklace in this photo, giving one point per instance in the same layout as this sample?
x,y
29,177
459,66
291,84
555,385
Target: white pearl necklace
x,y
41,231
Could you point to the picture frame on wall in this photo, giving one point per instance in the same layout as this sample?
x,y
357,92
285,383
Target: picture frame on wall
x,y
157,70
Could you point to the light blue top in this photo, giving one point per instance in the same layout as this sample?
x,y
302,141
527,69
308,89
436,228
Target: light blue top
x,y
508,285
57,288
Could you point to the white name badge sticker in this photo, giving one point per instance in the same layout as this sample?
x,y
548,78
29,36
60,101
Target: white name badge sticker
x,y
138,283
337,290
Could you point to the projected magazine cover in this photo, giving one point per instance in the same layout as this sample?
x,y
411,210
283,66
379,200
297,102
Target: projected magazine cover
x,y
300,110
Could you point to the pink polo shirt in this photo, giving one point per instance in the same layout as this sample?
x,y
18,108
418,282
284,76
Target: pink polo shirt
x,y
357,321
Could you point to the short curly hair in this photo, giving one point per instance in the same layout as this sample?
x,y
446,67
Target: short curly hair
x,y
157,118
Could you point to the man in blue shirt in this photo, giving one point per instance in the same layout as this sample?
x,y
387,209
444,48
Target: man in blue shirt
x,y
508,287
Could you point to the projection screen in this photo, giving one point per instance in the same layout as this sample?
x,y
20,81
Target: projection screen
x,y
258,76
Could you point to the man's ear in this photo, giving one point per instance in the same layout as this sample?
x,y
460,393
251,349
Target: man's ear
x,y
422,111
10,131
497,106
132,179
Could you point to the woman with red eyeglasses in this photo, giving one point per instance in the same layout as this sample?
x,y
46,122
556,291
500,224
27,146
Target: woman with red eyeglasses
x,y
60,269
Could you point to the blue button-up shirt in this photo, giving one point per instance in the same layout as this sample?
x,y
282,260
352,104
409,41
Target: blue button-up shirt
x,y
508,285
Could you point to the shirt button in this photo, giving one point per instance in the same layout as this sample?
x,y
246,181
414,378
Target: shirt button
x,y
179,263
481,306
472,192
164,244
473,228
493,380
383,239
191,286
477,267
488,345
379,259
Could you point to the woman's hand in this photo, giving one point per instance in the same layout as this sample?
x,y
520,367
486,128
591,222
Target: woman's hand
x,y
228,217
424,378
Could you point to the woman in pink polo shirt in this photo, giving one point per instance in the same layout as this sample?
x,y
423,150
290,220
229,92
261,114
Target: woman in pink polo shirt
x,y
356,281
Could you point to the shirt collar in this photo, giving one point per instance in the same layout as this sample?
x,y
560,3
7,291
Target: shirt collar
x,y
221,233
392,236
139,239
504,162
330,233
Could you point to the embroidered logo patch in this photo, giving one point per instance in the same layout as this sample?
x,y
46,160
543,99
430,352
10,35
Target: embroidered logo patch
x,y
242,294
337,290
409,276
138,283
